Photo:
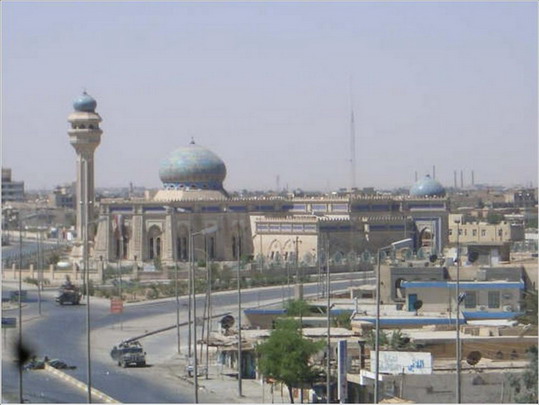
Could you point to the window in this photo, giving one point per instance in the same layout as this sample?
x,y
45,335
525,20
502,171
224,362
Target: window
x,y
470,300
466,232
483,232
451,232
494,299
474,232
460,231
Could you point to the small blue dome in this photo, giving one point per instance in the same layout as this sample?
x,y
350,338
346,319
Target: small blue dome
x,y
427,187
193,167
85,103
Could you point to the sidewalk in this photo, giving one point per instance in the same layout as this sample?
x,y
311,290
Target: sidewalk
x,y
222,385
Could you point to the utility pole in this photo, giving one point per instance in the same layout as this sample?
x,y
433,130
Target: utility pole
x,y
85,216
20,308
458,396
195,365
121,253
328,359
299,281
39,268
189,288
208,262
177,306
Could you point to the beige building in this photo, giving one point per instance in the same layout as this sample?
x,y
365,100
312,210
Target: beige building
x,y
272,230
478,231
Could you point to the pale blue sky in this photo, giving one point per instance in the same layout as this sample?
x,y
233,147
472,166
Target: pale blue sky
x,y
266,87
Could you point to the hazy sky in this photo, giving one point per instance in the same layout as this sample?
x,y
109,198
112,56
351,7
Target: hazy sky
x,y
266,86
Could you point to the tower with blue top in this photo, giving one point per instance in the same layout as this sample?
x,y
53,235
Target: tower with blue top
x,y
427,187
84,136
193,168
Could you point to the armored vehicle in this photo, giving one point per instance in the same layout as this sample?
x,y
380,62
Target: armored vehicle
x,y
68,293
129,353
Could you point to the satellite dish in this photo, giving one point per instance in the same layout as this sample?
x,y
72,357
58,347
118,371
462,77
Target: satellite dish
x,y
227,322
433,258
418,304
473,358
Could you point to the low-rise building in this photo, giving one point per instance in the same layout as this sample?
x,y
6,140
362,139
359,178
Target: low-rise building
x,y
479,231
11,190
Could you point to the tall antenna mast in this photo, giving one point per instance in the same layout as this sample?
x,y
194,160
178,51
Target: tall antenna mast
x,y
352,142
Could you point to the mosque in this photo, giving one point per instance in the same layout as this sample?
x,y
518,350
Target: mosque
x,y
193,201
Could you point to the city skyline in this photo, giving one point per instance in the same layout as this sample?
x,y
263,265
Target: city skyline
x,y
267,88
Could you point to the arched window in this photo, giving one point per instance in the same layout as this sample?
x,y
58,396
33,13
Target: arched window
x,y
154,242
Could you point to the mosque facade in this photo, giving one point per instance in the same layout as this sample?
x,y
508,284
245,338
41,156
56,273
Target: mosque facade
x,y
194,205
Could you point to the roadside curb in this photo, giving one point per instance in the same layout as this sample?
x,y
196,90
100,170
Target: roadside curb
x,y
72,380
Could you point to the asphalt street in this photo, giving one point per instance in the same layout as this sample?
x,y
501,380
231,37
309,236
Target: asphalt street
x,y
60,333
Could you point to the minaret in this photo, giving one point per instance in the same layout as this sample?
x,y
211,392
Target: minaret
x,y
353,184
84,136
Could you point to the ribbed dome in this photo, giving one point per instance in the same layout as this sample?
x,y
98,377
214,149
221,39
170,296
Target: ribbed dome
x,y
85,103
427,187
192,167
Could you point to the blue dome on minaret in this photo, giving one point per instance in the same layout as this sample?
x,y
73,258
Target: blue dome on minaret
x,y
427,187
85,103
192,167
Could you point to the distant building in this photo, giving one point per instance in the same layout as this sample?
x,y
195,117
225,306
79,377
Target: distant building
x,y
271,230
63,197
11,190
522,198
478,231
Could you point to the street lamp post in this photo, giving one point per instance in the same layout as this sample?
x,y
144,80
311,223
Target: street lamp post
x,y
239,314
394,245
458,299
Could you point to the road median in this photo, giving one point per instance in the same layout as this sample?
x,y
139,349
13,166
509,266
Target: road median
x,y
79,384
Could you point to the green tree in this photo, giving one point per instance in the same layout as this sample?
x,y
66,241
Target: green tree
x,y
297,308
494,218
343,320
524,385
286,355
528,306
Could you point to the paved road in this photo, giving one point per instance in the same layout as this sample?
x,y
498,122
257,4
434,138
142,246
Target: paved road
x,y
60,333
10,253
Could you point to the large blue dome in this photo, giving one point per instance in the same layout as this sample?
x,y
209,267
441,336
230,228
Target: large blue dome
x,y
193,167
85,103
427,187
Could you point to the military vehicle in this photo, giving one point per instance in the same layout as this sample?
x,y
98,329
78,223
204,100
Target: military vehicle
x,y
68,293
129,353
